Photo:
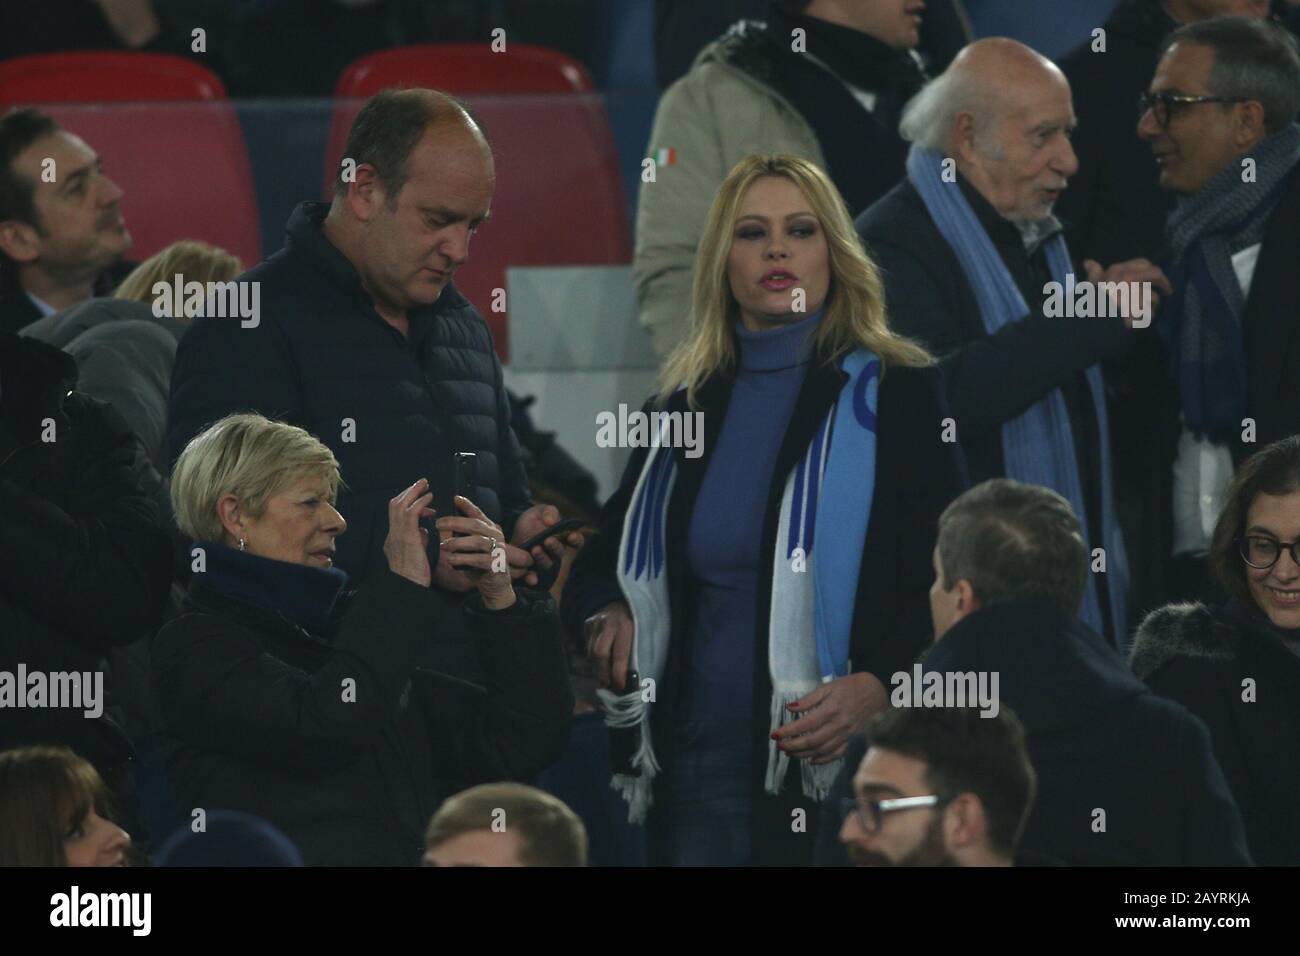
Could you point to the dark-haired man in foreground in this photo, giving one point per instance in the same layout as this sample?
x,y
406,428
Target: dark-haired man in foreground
x,y
944,786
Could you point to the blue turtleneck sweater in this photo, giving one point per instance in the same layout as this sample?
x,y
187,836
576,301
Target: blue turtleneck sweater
x,y
726,529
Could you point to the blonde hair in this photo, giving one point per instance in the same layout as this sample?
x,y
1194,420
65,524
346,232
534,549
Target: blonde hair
x,y
855,304
250,457
550,833
196,261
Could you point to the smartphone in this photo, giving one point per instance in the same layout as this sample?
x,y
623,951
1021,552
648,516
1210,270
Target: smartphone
x,y
560,527
464,467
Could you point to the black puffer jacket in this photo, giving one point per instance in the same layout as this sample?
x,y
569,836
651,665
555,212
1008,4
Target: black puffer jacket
x,y
84,562
1203,658
255,714
321,358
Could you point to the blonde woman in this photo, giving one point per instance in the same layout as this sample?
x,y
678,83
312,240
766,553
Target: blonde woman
x,y
278,693
762,589
194,261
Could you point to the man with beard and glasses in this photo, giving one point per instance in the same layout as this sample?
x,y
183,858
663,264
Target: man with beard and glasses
x,y
940,786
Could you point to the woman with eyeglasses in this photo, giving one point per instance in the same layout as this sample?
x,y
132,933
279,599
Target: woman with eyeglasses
x,y
1236,665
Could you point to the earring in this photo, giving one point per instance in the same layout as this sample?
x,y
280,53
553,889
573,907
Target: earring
x,y
241,544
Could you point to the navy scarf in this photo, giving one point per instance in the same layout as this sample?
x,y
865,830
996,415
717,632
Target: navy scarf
x,y
304,595
1202,324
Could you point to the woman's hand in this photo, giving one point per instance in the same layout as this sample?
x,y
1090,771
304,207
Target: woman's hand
x,y
609,644
407,544
479,553
832,714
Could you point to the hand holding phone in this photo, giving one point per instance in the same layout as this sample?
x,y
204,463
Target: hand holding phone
x,y
561,527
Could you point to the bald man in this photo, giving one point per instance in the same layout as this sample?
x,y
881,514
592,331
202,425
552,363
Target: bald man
x,y
361,338
974,262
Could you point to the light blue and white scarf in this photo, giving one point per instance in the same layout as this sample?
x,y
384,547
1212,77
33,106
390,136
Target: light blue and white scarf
x,y
1037,445
823,520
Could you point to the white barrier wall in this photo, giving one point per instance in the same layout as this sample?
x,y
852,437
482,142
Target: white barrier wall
x,y
576,346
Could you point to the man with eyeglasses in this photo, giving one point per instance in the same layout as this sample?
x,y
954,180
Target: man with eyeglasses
x,y
1219,118
1112,204
1117,212
939,787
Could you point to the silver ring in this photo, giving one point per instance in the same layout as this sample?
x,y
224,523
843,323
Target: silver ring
x,y
492,544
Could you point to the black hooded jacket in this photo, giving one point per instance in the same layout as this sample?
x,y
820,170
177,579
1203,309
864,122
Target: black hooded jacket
x,y
84,559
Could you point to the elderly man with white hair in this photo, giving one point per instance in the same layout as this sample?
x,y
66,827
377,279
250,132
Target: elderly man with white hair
x,y
975,263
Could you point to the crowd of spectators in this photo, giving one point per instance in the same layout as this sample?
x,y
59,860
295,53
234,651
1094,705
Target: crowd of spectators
x,y
988,556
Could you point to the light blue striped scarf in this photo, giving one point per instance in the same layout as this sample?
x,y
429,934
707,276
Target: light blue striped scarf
x,y
825,509
1037,445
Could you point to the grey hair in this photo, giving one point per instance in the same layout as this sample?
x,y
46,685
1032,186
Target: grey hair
x,y
1253,60
929,116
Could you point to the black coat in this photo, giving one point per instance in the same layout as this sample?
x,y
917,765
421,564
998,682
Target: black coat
x,y
84,557
1201,657
1098,738
1270,324
321,355
1146,427
1114,202
252,716
917,475
989,379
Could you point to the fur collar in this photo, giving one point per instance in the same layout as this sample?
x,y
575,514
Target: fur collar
x,y
1181,630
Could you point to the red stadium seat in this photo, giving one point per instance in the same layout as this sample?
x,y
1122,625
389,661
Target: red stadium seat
x,y
559,195
170,139
466,69
103,77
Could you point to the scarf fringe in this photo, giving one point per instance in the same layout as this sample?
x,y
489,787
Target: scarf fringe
x,y
816,781
621,713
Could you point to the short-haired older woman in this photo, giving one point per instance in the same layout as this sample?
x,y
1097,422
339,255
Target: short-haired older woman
x,y
765,586
54,811
1237,665
278,694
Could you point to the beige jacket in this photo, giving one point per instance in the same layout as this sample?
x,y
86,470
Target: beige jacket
x,y
711,118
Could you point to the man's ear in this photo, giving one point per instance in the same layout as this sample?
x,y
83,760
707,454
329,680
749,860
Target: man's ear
x,y
366,193
964,137
967,601
19,240
1249,126
965,823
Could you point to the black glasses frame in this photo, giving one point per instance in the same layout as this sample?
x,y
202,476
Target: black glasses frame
x,y
1162,104
1243,548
